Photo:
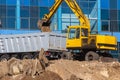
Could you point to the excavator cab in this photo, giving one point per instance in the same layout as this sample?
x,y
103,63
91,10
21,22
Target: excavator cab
x,y
77,36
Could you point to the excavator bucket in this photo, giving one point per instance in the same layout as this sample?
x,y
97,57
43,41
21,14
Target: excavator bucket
x,y
43,25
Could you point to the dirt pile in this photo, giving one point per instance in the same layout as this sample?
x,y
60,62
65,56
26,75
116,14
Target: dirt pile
x,y
76,70
47,75
61,70
28,69
3,68
16,66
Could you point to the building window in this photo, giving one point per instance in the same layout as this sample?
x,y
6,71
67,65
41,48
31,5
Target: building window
x,y
9,2
42,11
92,5
53,25
24,2
105,14
94,25
33,23
45,3
93,13
50,2
24,23
11,11
66,10
64,5
74,20
119,15
113,4
118,4
105,26
11,23
34,2
34,12
2,2
113,14
85,5
119,25
105,4
24,11
2,10
114,26
74,23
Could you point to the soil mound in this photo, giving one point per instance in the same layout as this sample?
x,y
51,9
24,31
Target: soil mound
x,y
83,70
63,70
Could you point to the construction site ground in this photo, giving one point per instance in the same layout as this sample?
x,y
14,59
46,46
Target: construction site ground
x,y
68,70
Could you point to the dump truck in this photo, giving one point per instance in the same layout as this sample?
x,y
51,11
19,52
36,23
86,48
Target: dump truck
x,y
80,41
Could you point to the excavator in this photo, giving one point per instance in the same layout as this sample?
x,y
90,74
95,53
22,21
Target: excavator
x,y
79,40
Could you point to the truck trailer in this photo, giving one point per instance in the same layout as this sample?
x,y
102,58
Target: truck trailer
x,y
27,46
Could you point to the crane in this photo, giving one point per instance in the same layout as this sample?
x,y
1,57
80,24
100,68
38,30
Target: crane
x,y
79,37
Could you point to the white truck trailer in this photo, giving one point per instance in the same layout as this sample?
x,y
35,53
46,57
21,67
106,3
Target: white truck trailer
x,y
27,46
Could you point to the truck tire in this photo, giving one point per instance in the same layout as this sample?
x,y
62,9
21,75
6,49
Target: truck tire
x,y
26,56
67,55
4,57
90,56
35,56
15,56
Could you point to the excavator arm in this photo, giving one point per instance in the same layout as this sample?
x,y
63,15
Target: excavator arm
x,y
44,24
52,10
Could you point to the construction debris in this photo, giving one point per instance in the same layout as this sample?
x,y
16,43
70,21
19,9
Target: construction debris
x,y
30,67
14,69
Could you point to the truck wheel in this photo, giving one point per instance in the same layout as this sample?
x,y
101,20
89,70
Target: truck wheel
x,y
15,56
36,56
4,57
26,56
67,55
90,56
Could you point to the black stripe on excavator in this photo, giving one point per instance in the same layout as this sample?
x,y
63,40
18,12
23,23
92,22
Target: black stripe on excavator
x,y
108,45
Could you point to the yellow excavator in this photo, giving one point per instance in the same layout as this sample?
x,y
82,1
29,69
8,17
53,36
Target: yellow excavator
x,y
79,40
